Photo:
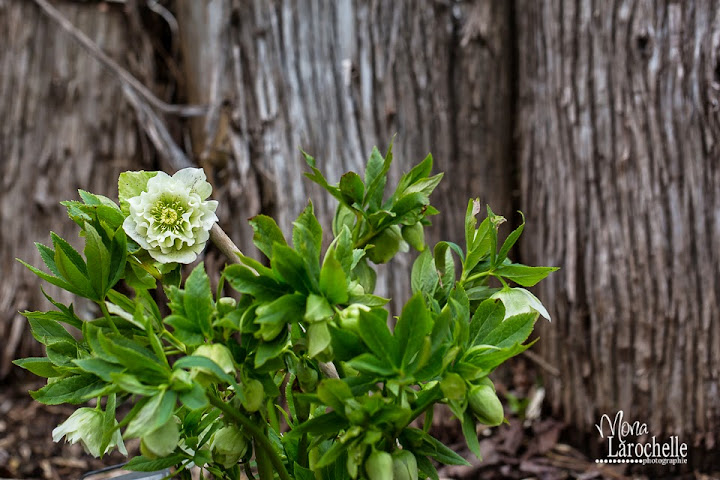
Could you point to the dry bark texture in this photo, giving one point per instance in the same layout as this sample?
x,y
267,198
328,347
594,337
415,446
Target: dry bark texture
x,y
337,78
619,175
65,126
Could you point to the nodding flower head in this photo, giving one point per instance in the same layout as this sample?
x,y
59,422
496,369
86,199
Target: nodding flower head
x,y
86,426
172,218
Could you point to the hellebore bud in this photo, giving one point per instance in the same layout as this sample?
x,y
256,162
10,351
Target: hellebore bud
x,y
349,317
307,377
485,405
415,236
228,446
404,465
226,305
387,244
254,394
379,466
217,353
162,441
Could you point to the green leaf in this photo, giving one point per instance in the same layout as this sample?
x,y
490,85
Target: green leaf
x,y
138,359
344,218
109,422
326,424
118,257
302,473
510,241
317,177
333,282
426,468
411,329
307,239
319,338
486,318
154,414
132,184
144,464
352,188
98,258
198,299
62,352
369,363
59,282
273,317
48,256
433,448
262,287
291,267
510,331
75,390
470,434
267,233
333,392
39,366
418,172
72,268
346,345
524,275
46,330
186,331
365,275
376,177
317,309
376,335
424,277
445,265
99,367
269,350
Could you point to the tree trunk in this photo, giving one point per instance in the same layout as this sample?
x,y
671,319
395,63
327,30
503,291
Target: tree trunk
x,y
65,126
618,128
337,78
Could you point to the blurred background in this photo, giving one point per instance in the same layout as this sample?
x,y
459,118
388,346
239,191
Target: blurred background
x,y
597,119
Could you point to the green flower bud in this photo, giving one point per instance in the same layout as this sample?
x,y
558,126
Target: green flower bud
x,y
355,289
228,446
254,394
307,377
485,405
414,235
387,244
349,317
379,466
219,354
226,305
181,381
163,440
404,465
453,386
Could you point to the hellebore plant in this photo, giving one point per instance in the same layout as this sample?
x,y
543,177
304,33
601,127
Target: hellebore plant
x,y
290,369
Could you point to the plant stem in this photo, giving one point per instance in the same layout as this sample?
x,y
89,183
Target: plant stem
x,y
259,438
264,466
429,401
106,313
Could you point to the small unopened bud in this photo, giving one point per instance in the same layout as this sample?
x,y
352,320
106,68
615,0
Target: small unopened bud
x,y
379,466
254,394
404,465
485,405
414,235
228,446
226,305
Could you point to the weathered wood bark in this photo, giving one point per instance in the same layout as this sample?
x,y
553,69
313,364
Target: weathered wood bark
x,y
337,78
618,129
65,126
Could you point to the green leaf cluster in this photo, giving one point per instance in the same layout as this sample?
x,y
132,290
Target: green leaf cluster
x,y
292,361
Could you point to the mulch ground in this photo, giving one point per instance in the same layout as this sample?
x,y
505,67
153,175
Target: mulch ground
x,y
526,448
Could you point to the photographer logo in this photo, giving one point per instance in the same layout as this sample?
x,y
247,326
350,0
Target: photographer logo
x,y
623,445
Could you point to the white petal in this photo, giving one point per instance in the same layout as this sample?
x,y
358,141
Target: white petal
x,y
130,227
194,179
178,256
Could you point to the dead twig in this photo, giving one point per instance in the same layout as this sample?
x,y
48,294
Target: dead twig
x,y
125,77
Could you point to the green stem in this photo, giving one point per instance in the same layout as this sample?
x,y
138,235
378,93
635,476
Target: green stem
x,y
428,402
106,313
259,437
264,465
477,276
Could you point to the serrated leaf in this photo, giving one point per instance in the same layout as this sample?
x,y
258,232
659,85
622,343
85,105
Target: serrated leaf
x,y
510,241
486,318
261,287
376,335
411,328
307,239
267,233
274,317
132,184
99,367
352,188
424,277
376,178
186,331
524,275
40,366
48,256
333,282
369,363
144,464
291,267
155,413
98,257
75,390
198,299
46,330
470,434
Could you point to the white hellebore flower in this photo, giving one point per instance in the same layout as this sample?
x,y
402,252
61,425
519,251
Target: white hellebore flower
x,y
172,218
519,300
86,426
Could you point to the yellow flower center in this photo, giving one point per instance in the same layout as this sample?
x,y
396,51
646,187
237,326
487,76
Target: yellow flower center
x,y
168,214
